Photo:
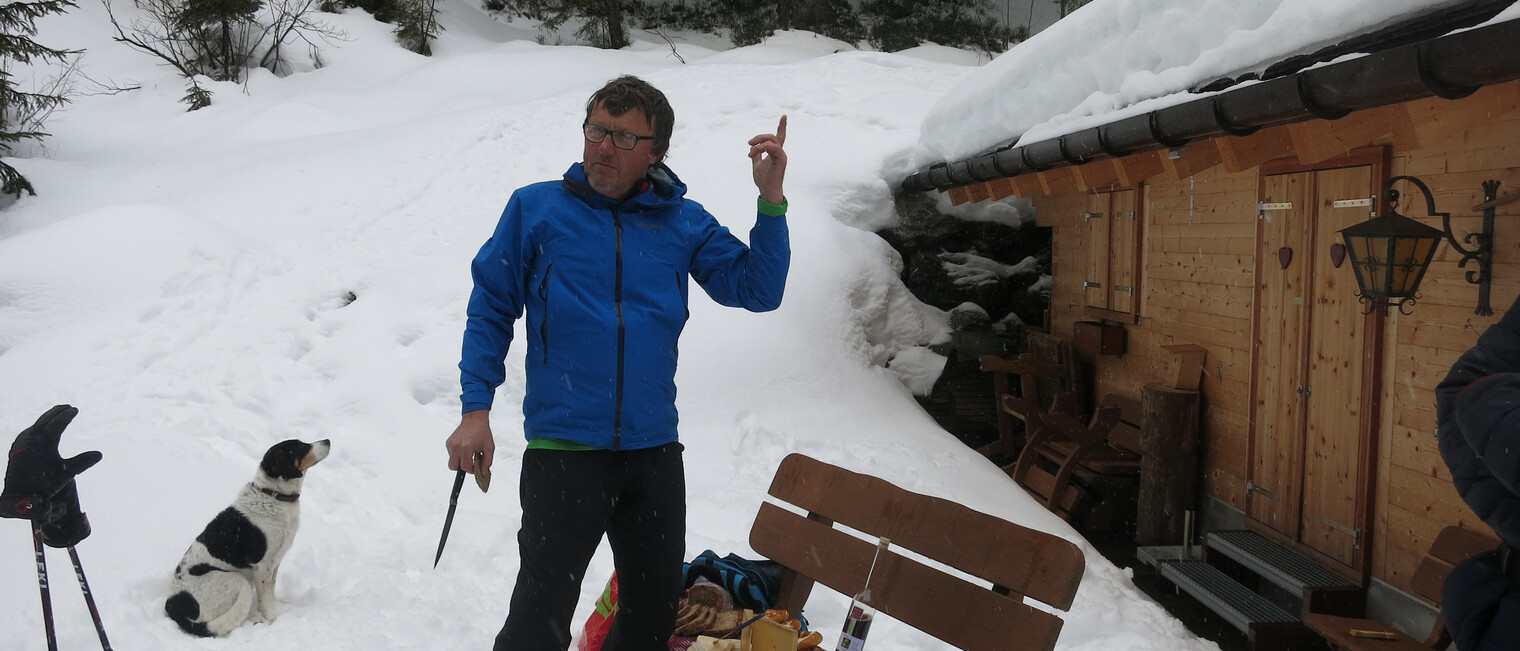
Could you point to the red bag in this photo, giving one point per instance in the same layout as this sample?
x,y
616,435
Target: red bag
x,y
599,624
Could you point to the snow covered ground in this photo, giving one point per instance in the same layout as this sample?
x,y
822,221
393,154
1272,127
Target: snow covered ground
x,y
292,262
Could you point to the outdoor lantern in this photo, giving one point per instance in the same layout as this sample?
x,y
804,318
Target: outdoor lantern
x,y
1390,254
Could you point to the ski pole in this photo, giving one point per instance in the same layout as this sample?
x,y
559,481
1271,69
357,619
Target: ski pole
x,y
89,599
47,600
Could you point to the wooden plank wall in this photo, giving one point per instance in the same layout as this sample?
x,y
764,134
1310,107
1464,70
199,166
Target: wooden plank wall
x,y
1198,286
1417,497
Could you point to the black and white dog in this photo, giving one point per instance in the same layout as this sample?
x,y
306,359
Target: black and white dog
x,y
238,555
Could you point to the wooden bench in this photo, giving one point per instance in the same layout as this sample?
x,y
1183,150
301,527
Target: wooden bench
x,y
1072,467
1018,562
1452,546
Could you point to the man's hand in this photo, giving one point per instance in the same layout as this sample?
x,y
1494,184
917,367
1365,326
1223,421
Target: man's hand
x,y
769,162
473,435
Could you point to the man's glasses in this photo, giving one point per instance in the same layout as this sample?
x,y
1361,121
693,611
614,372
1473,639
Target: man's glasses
x,y
620,139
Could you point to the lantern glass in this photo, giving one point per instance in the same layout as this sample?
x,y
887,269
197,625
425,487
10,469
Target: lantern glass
x,y
1412,256
1390,254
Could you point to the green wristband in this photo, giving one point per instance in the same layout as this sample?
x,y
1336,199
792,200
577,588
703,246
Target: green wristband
x,y
772,209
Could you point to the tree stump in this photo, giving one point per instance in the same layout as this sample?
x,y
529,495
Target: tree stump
x,y
1169,442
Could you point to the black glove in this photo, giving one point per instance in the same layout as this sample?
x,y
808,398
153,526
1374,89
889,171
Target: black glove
x,y
39,485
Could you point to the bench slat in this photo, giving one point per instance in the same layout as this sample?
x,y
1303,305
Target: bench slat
x,y
963,614
1044,567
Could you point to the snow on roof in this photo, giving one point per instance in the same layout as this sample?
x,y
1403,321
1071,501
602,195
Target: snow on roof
x,y
1113,54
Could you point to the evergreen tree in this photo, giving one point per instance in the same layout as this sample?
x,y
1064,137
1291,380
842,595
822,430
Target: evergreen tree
x,y
385,11
832,18
1068,6
19,110
604,19
217,29
417,25
749,21
894,25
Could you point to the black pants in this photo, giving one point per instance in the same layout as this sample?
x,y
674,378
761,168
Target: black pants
x,y
569,499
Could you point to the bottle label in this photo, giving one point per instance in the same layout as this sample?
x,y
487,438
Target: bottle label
x,y
856,625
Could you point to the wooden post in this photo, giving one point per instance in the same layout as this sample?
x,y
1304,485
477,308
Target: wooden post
x,y
1168,463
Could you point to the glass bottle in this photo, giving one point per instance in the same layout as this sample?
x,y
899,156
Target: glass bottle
x,y
857,622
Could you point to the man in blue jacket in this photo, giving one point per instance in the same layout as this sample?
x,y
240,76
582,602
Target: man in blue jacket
x,y
597,264
1478,430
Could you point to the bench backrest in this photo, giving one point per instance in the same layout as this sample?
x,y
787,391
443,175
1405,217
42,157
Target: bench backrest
x,y
1452,546
1052,349
1126,433
1019,562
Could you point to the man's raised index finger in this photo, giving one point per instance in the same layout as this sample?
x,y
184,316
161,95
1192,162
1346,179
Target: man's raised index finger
x,y
781,131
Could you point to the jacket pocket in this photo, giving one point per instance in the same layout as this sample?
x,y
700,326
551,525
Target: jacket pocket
x,y
681,289
543,295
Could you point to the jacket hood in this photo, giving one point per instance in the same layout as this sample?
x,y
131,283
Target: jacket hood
x,y
664,189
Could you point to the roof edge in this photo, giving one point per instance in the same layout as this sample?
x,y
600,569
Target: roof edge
x,y
1451,66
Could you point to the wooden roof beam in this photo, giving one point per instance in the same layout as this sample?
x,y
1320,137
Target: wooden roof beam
x,y
1096,175
1187,161
1058,179
1242,153
959,195
1437,119
1000,188
1027,185
1133,170
1321,140
978,192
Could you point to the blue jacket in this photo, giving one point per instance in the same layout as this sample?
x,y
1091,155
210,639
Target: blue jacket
x,y
603,285
1478,432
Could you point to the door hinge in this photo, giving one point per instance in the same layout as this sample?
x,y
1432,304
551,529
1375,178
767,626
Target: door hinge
x,y
1091,285
1125,213
1355,533
1305,390
1089,216
1124,288
1365,202
1253,487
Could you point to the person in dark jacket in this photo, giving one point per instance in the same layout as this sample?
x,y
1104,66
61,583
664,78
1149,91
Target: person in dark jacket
x,y
1478,431
597,265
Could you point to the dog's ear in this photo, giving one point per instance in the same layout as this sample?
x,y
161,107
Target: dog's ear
x,y
284,460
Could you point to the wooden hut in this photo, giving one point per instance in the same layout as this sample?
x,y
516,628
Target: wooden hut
x,y
1215,222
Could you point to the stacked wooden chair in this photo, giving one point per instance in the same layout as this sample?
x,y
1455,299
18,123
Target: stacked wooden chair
x,y
1072,465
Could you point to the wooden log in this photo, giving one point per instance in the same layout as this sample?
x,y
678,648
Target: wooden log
x,y
1169,445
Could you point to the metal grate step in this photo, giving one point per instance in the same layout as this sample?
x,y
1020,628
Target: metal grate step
x,y
1221,594
1274,563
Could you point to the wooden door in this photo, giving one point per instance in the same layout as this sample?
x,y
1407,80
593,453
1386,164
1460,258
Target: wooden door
x,y
1122,233
1112,235
1096,286
1311,439
1335,434
1273,490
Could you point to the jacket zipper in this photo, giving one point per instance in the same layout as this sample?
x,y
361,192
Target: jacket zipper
x,y
543,328
617,404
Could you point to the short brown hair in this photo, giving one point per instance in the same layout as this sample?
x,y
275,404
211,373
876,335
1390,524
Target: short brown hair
x,y
629,92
